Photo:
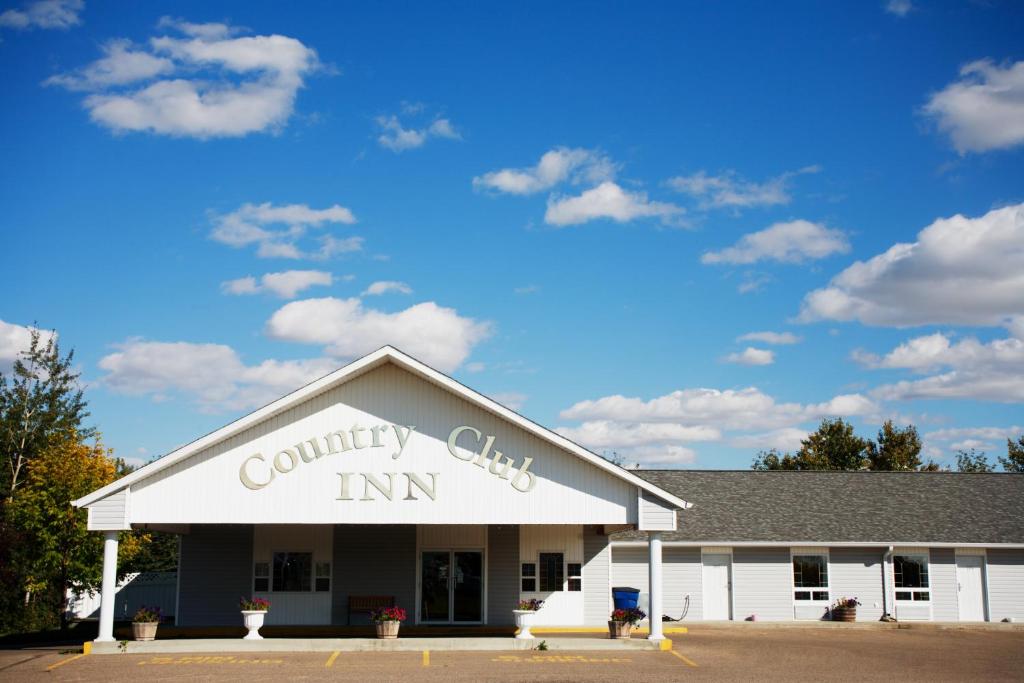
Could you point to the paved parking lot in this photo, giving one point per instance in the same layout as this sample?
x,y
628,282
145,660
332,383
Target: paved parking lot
x,y
735,654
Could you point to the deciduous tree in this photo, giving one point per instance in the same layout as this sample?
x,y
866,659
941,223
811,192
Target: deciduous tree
x,y
896,449
1014,460
972,461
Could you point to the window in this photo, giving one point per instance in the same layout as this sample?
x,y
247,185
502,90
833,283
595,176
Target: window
x,y
261,577
552,567
293,571
529,578
910,574
810,578
323,577
575,576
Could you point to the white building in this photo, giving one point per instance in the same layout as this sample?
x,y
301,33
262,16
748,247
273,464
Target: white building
x,y
389,479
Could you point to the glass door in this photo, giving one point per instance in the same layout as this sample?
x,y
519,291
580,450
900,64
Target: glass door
x,y
452,587
435,594
467,595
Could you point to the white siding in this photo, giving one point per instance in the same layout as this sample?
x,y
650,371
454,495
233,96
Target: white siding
x,y
110,513
943,584
206,487
561,608
857,573
597,578
681,592
762,584
1006,584
295,608
656,514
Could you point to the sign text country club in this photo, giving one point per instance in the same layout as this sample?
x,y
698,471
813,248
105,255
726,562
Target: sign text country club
x,y
257,472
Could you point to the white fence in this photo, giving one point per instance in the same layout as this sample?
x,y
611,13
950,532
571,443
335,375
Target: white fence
x,y
153,589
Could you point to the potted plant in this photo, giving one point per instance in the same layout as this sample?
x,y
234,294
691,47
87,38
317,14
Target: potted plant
x,y
387,620
844,609
525,612
623,620
253,612
144,623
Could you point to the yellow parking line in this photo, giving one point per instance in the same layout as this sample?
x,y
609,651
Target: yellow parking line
x,y
686,660
426,658
64,661
330,660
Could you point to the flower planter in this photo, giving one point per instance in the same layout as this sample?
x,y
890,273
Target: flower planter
x,y
387,629
253,620
620,629
524,620
144,630
844,614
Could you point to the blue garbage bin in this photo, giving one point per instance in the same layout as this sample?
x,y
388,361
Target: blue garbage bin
x,y
625,597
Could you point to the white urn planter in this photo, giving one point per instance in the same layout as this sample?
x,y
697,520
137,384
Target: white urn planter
x,y
524,620
253,620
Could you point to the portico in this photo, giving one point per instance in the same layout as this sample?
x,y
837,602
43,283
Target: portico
x,y
387,478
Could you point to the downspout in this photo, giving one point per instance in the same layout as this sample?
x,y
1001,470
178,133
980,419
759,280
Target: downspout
x,y
886,602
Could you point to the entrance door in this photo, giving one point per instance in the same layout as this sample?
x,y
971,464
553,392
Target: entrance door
x,y
715,577
452,587
969,582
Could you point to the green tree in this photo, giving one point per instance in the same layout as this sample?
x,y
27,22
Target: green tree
x,y
63,554
972,461
833,446
896,449
1014,460
40,398
771,460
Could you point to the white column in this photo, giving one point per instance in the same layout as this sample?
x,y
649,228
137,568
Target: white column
x,y
654,584
108,586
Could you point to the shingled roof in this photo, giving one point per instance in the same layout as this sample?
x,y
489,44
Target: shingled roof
x,y
843,507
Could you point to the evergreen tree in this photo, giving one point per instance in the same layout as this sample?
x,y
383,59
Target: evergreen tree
x,y
39,399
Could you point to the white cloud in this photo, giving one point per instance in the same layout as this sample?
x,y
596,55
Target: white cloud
x,y
607,200
205,82
386,286
47,14
398,138
900,8
730,191
984,110
276,230
475,366
752,356
212,375
509,399
526,289
770,337
733,409
745,418
786,439
287,284
436,335
16,338
793,242
992,371
122,64
985,433
609,434
960,270
556,166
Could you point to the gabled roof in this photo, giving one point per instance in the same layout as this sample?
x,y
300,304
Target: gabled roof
x,y
387,354
817,508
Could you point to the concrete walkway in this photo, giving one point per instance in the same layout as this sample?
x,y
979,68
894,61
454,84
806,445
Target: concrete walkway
x,y
211,645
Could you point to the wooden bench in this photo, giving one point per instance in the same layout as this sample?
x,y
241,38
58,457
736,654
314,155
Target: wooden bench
x,y
364,604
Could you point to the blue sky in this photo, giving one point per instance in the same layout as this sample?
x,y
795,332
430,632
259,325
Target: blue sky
x,y
593,212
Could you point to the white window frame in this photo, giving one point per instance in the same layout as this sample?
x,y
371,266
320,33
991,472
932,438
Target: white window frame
x,y
569,577
270,576
827,588
523,577
564,587
924,554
